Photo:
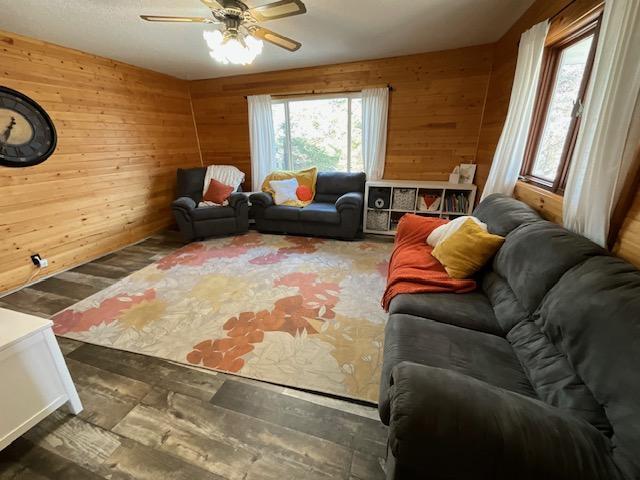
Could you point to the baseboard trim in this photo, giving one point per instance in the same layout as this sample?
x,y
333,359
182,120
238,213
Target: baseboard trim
x,y
89,260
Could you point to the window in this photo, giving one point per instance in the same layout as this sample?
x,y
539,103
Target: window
x,y
319,131
556,119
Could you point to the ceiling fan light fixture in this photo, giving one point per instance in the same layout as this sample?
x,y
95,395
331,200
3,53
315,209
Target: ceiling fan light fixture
x,y
232,47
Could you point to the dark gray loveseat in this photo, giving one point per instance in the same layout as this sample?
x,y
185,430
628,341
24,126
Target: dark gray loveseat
x,y
336,210
200,222
536,375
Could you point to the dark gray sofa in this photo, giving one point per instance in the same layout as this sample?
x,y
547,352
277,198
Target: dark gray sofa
x,y
536,375
336,210
201,222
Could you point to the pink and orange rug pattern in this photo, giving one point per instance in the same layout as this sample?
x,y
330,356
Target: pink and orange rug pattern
x,y
300,312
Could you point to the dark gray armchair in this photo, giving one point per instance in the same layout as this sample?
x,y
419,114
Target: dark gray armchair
x,y
336,210
200,222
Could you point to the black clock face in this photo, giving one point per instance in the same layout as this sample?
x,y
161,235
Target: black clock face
x,y
27,134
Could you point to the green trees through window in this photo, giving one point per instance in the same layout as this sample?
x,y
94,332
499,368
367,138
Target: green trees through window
x,y
323,132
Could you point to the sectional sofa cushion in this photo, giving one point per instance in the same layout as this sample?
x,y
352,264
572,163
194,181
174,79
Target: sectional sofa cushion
x,y
332,185
421,340
592,315
209,213
190,182
474,312
535,256
283,212
446,425
532,260
506,307
503,214
321,213
553,377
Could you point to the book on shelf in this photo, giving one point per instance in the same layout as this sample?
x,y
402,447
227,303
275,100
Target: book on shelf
x,y
456,203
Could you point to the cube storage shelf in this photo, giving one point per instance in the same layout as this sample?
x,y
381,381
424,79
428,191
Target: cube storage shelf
x,y
386,201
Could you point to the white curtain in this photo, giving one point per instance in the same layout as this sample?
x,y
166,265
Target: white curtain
x,y
507,160
598,166
261,138
375,109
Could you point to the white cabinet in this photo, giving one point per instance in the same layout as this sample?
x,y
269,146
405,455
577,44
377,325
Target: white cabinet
x,y
34,377
386,201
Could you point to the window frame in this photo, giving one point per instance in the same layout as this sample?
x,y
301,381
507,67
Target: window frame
x,y
550,63
286,100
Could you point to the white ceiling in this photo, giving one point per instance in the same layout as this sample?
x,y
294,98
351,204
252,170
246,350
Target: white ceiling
x,y
331,31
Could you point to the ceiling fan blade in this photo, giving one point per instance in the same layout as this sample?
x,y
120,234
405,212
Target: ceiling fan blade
x,y
160,18
280,9
275,38
212,4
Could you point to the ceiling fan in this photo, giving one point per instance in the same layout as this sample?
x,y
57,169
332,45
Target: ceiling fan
x,y
241,22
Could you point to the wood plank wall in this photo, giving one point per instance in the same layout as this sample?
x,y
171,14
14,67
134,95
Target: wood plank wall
x,y
505,55
435,109
564,14
628,243
549,205
122,132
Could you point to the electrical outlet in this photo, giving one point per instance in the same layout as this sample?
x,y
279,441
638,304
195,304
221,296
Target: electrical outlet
x,y
38,261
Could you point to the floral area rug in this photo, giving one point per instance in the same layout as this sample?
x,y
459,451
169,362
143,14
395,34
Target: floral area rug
x,y
301,312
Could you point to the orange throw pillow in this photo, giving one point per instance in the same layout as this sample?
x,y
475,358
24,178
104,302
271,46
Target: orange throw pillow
x,y
217,192
304,193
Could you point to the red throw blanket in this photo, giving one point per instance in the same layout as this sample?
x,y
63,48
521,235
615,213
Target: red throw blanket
x,y
412,269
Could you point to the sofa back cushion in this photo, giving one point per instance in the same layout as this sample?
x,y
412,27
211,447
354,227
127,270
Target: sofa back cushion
x,y
503,214
191,183
553,377
592,315
534,257
332,185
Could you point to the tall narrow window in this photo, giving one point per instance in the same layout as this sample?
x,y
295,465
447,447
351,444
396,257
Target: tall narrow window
x,y
323,132
556,119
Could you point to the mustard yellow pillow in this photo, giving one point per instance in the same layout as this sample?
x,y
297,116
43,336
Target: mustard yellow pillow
x,y
467,250
306,178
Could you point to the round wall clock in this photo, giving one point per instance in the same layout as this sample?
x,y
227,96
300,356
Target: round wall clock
x,y
27,134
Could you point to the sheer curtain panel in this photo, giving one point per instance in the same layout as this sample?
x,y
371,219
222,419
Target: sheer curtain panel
x,y
507,160
599,164
375,109
261,138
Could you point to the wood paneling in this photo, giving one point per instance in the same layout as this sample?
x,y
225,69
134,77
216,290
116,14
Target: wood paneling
x,y
546,203
628,244
122,132
565,13
435,109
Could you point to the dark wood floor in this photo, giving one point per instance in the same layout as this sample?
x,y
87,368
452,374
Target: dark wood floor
x,y
146,418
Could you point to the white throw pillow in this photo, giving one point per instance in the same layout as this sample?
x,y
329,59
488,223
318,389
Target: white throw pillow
x,y
285,190
448,229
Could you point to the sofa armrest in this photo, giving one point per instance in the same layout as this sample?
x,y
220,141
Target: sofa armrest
x,y
449,425
261,199
237,199
350,200
184,203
